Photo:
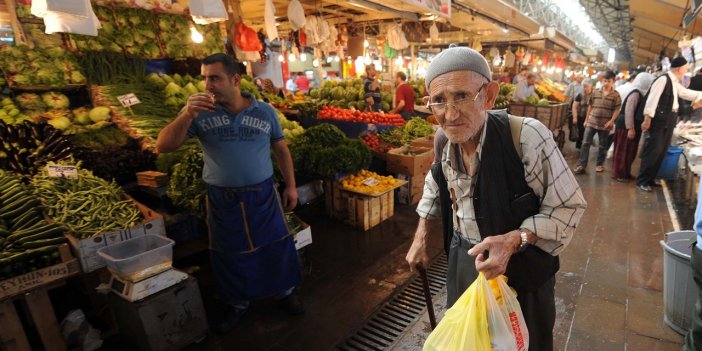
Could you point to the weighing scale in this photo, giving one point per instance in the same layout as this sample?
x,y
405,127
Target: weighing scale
x,y
137,290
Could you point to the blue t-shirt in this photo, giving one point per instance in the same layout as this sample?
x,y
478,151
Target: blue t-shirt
x,y
237,147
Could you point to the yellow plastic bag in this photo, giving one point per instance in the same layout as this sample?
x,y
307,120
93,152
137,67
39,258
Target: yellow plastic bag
x,y
487,317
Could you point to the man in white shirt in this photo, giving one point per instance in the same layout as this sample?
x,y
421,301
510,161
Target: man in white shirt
x,y
524,89
661,115
290,84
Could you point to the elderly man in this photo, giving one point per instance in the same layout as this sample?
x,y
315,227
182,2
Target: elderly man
x,y
519,203
660,118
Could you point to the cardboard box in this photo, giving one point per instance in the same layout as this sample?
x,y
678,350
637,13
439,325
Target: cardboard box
x,y
417,163
86,249
152,179
415,183
427,141
304,236
365,212
23,283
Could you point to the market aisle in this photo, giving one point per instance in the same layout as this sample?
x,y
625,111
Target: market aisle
x,y
609,291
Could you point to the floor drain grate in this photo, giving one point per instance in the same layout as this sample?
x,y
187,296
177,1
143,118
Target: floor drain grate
x,y
394,316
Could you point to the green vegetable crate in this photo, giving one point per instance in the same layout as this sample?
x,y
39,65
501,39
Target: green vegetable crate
x,y
86,249
21,284
303,232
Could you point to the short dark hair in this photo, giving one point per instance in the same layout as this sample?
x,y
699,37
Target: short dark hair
x,y
402,76
524,68
228,62
608,74
531,75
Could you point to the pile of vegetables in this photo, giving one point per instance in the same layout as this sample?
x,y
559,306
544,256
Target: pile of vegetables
x,y
25,66
174,29
118,159
418,87
291,129
186,187
415,128
294,226
54,106
10,113
340,114
504,96
27,241
27,147
176,88
323,152
86,206
368,182
139,41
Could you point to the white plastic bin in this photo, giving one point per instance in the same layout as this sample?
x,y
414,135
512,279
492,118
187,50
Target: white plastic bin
x,y
139,258
679,288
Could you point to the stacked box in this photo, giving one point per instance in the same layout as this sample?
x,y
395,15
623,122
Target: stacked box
x,y
335,199
417,163
366,212
411,193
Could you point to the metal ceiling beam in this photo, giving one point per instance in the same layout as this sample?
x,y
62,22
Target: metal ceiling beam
x,y
613,17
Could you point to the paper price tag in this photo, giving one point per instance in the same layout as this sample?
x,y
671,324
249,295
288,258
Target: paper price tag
x,y
128,100
370,181
70,172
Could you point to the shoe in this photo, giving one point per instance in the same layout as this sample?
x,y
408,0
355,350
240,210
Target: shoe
x,y
645,188
579,170
622,180
655,184
599,168
292,305
231,320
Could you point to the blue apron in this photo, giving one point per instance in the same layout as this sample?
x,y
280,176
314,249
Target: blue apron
x,y
251,248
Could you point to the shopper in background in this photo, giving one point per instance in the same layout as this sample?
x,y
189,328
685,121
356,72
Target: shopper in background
x,y
693,339
371,89
251,249
628,128
525,89
660,119
533,200
270,88
581,105
303,84
604,106
522,75
259,83
696,85
404,97
574,89
290,85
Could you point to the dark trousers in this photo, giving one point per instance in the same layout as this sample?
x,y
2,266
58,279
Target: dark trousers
x,y
693,340
538,307
656,142
602,146
581,131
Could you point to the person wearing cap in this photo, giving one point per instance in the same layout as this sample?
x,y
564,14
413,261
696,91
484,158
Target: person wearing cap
x,y
500,186
660,119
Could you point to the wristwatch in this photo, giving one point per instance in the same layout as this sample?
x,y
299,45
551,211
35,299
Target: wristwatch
x,y
523,235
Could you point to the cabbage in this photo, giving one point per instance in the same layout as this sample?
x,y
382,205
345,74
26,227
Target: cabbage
x,y
173,89
60,123
99,114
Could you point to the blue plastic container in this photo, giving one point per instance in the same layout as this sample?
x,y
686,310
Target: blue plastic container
x,y
669,167
164,66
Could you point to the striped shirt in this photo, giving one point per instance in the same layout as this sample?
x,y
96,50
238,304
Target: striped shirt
x,y
603,107
546,172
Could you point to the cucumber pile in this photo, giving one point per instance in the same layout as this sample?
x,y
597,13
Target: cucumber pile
x,y
27,241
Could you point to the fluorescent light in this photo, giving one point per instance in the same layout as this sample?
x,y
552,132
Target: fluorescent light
x,y
303,57
196,36
579,16
281,58
291,58
611,55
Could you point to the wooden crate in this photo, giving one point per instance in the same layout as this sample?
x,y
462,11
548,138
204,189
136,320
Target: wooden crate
x,y
427,141
152,179
366,212
32,288
335,199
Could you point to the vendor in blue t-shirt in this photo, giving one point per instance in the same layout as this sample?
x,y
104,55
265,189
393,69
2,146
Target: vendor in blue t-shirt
x,y
252,251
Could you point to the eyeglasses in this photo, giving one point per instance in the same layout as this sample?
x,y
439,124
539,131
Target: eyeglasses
x,y
439,108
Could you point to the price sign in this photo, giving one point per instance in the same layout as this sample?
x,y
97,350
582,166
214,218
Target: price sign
x,y
70,172
370,181
128,100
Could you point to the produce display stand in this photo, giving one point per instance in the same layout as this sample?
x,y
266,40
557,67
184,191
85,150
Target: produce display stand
x,y
33,289
358,209
350,129
43,88
552,116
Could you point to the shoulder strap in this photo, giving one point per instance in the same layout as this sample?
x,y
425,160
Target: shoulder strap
x,y
515,127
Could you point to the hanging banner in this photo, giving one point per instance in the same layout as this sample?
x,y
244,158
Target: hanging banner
x,y
437,7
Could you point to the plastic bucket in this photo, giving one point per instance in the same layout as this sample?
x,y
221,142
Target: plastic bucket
x,y
679,288
669,167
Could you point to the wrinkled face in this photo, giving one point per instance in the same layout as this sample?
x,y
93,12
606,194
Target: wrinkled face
x,y
531,80
220,84
463,120
680,71
588,88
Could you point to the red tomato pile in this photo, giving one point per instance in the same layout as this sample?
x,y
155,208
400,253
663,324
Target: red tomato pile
x,y
340,114
371,140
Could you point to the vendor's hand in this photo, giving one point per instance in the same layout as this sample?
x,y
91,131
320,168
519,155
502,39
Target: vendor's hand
x,y
200,102
697,104
289,198
417,254
500,249
646,124
631,134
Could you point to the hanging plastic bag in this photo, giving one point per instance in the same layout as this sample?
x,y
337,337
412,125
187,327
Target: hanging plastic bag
x,y
79,9
389,52
296,15
252,56
487,317
55,22
269,19
434,32
396,38
208,11
246,38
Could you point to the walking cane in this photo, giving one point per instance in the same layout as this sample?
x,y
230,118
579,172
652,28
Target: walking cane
x,y
427,295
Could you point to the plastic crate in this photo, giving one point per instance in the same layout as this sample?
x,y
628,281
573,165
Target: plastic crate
x,y
139,258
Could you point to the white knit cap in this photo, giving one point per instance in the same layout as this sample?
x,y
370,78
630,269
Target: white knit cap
x,y
457,58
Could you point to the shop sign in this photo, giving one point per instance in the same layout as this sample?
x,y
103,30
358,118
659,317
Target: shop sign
x,y
70,172
437,7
